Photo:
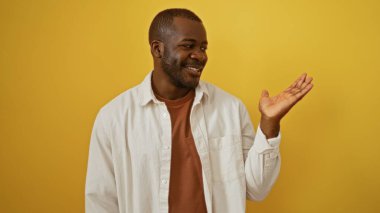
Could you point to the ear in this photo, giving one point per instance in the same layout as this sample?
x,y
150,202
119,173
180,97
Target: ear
x,y
157,48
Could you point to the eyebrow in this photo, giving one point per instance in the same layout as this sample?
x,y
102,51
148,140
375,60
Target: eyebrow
x,y
193,40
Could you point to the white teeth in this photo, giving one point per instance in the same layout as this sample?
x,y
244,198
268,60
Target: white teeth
x,y
194,69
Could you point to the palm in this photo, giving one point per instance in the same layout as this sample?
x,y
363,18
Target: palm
x,y
277,106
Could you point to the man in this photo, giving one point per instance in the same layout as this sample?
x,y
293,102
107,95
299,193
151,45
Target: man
x,y
178,144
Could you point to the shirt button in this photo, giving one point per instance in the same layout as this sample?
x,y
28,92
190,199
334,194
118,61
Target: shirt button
x,y
167,147
165,115
164,181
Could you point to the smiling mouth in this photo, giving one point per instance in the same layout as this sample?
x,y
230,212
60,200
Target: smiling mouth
x,y
195,71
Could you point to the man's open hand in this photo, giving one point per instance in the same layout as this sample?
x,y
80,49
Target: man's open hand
x,y
274,108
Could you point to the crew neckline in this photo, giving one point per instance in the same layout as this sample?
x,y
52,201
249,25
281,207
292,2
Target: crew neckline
x,y
189,95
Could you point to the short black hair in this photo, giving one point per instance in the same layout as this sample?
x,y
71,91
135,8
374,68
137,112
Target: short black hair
x,y
164,20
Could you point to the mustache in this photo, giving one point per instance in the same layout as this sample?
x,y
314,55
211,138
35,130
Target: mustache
x,y
196,64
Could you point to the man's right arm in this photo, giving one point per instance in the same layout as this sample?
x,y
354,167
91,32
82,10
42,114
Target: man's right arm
x,y
100,192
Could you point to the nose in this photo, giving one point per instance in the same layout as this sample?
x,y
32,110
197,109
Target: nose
x,y
199,55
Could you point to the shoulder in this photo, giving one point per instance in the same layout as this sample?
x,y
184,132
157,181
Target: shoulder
x,y
120,104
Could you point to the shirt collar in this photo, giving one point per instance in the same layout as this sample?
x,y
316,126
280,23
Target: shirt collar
x,y
146,94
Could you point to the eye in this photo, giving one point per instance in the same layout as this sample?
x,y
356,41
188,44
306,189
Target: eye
x,y
204,48
188,46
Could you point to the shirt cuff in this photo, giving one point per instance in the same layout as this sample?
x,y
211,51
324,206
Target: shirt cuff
x,y
262,144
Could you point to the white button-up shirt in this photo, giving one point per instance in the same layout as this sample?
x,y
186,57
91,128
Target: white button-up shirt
x,y
130,153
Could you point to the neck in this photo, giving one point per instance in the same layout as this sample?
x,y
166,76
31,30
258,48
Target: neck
x,y
162,86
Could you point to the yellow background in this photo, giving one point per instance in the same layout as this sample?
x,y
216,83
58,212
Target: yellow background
x,y
60,61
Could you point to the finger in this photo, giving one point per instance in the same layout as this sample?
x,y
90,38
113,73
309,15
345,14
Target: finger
x,y
298,79
300,90
294,90
297,90
300,82
308,80
295,82
265,93
303,92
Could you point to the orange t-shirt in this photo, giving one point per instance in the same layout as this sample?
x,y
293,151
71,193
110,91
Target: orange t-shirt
x,y
186,185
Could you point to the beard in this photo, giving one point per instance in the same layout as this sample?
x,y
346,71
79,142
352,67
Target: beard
x,y
177,75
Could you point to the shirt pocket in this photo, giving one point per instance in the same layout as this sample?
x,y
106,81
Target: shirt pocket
x,y
226,158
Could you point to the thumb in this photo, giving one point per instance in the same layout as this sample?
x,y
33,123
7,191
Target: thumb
x,y
265,93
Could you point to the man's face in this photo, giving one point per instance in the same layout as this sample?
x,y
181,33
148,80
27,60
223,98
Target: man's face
x,y
185,53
